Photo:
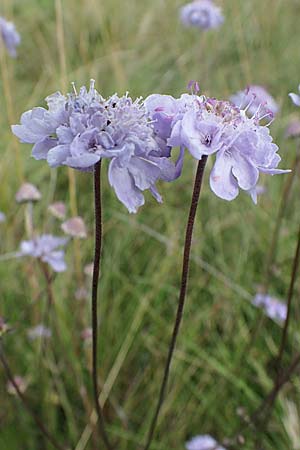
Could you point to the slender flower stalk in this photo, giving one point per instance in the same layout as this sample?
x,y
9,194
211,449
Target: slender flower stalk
x,y
289,307
26,404
182,295
96,271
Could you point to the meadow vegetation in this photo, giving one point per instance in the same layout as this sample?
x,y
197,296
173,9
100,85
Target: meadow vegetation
x,y
222,367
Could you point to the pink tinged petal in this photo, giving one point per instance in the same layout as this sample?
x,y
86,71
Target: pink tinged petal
x,y
40,149
144,172
157,103
83,161
58,209
295,99
246,174
28,193
58,155
75,227
222,182
123,184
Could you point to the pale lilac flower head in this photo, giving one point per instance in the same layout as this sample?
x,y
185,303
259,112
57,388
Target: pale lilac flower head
x,y
202,14
80,129
10,36
28,193
46,248
58,210
2,217
39,331
244,148
295,97
293,129
204,442
255,97
274,308
75,227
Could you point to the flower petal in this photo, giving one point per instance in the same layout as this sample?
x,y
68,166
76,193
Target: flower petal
x,y
123,184
222,182
83,161
57,155
295,98
40,149
246,174
144,172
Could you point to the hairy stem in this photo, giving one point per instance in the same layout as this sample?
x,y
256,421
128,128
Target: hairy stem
x,y
26,404
182,295
96,271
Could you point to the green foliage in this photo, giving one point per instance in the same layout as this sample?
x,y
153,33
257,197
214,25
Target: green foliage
x,y
141,47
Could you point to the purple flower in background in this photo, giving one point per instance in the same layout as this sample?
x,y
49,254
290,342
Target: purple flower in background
x,y
2,217
45,248
39,331
10,36
295,97
254,98
274,308
293,129
204,442
202,14
80,129
244,148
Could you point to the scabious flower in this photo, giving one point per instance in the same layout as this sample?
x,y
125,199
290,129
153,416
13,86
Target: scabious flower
x,y
10,36
255,97
204,442
45,248
78,130
2,217
202,14
274,308
244,148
